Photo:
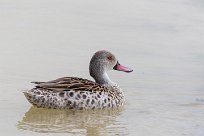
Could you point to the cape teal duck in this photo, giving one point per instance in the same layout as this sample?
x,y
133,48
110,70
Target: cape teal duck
x,y
78,93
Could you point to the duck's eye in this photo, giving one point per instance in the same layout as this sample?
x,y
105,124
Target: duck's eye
x,y
110,57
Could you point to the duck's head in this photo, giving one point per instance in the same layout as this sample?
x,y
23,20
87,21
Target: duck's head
x,y
103,61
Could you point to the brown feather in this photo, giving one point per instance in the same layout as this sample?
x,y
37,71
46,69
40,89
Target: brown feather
x,y
73,83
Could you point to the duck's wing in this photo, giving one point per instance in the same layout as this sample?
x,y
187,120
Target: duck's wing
x,y
70,83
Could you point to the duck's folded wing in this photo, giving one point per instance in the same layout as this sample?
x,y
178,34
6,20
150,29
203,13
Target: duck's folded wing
x,y
67,83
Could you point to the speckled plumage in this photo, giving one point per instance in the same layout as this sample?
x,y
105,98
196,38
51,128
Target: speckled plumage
x,y
74,93
78,93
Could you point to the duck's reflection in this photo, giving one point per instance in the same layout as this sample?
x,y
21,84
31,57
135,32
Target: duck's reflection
x,y
90,122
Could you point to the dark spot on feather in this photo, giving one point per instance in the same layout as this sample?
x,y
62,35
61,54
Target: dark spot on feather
x,y
87,102
84,96
29,97
36,100
92,102
71,94
109,105
105,100
61,94
69,102
81,108
100,93
79,96
109,99
98,96
38,93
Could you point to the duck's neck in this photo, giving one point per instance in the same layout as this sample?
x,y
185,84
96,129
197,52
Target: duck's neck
x,y
104,79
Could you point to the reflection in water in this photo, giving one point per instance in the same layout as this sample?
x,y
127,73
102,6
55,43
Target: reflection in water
x,y
90,122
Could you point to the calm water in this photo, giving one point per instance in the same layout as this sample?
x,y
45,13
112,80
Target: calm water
x,y
161,40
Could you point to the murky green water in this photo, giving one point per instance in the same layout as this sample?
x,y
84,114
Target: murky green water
x,y
161,40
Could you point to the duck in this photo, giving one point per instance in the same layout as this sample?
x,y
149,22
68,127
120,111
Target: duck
x,y
81,94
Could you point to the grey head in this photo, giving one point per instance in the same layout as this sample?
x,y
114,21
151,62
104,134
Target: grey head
x,y
101,62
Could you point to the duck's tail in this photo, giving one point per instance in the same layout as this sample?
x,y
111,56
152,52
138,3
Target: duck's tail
x,y
39,99
29,96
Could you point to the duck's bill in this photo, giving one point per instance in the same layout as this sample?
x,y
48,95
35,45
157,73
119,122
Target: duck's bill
x,y
120,67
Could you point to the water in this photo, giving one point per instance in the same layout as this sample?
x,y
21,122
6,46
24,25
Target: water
x,y
161,40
